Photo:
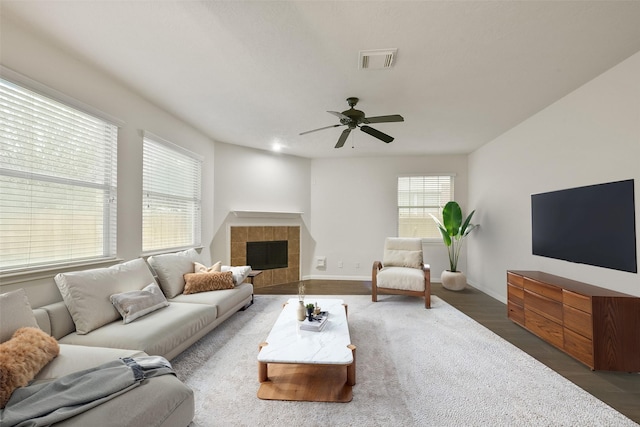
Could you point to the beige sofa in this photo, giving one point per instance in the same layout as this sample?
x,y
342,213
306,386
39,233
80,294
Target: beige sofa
x,y
90,332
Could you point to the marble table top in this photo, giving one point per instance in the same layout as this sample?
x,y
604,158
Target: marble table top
x,y
287,343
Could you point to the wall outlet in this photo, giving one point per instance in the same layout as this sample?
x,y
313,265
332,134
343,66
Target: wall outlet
x,y
357,265
340,264
321,261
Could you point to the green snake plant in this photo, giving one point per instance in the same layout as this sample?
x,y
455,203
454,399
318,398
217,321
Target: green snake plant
x,y
453,231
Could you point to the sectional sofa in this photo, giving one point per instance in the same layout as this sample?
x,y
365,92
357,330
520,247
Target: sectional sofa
x,y
94,327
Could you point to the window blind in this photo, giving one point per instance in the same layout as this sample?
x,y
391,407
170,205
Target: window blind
x,y
419,196
171,204
57,182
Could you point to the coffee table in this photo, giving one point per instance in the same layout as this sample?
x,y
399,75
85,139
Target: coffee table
x,y
295,364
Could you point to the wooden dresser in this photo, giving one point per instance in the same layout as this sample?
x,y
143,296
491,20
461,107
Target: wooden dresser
x,y
597,326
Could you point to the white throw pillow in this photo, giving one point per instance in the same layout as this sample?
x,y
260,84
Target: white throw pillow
x,y
200,268
15,313
86,293
240,273
134,304
171,269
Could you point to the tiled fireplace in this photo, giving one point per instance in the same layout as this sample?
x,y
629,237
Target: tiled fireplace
x,y
241,235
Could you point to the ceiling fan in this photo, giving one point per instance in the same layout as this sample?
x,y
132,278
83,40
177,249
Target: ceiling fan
x,y
353,118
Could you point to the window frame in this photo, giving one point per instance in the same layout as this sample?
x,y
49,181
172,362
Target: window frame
x,y
42,95
439,206
151,139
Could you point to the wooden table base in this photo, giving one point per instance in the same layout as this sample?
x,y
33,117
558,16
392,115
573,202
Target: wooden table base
x,y
311,383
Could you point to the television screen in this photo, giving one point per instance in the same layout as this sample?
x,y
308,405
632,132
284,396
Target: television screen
x,y
593,225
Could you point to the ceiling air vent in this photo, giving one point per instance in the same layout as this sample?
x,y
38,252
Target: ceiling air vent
x,y
377,59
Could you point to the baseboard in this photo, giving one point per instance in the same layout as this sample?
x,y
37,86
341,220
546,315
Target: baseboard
x,y
325,277
489,292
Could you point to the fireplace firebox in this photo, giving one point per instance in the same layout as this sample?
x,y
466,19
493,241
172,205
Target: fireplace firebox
x,y
268,255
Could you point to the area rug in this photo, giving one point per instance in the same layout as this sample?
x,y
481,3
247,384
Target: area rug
x,y
415,367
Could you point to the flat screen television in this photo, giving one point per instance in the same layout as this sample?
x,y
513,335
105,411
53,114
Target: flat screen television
x,y
594,225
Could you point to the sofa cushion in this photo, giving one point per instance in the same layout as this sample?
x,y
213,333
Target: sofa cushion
x,y
224,300
171,269
134,304
157,333
22,357
15,313
86,293
73,358
202,282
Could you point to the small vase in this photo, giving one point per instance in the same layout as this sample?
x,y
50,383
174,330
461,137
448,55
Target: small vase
x,y
309,313
300,311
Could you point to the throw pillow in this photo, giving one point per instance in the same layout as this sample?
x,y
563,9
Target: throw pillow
x,y
199,268
240,273
171,269
22,357
86,293
201,282
134,304
15,312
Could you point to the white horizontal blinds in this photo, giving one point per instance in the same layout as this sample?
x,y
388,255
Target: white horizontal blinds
x,y
57,182
419,196
171,201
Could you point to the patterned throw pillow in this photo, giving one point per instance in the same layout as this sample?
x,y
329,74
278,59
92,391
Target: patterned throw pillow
x,y
202,282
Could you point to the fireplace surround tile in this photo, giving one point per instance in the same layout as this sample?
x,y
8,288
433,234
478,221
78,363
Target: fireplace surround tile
x,y
243,234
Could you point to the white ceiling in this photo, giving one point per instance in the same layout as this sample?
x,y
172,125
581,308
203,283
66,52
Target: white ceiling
x,y
259,72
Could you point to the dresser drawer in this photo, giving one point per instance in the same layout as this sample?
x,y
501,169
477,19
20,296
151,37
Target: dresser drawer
x,y
515,294
515,312
579,347
546,329
549,291
544,306
514,279
578,321
581,302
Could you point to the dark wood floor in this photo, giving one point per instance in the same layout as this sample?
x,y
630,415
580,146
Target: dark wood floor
x,y
619,390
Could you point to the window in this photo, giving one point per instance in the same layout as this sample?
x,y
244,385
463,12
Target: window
x,y
171,200
419,196
57,182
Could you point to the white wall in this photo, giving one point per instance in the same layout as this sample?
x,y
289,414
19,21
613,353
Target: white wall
x,y
591,136
37,59
254,180
354,207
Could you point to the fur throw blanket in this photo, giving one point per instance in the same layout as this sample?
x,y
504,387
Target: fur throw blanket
x,y
22,357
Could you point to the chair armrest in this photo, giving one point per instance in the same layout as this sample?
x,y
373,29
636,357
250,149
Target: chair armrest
x,y
426,267
377,265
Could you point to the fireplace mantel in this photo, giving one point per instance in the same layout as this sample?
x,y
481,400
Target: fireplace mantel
x,y
266,214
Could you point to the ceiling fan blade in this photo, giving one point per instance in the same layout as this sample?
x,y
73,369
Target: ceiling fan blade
x,y
384,119
339,115
343,138
377,134
315,130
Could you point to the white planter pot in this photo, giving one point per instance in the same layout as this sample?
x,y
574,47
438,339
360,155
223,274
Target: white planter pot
x,y
453,280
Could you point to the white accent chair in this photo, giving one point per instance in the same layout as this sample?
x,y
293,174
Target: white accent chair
x,y
402,270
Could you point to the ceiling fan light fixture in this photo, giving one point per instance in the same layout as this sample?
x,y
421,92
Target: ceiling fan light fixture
x,y
377,59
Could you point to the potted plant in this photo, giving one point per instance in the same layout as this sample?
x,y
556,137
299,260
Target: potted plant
x,y
310,308
453,231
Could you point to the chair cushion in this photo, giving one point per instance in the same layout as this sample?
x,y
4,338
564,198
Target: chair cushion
x,y
409,279
402,252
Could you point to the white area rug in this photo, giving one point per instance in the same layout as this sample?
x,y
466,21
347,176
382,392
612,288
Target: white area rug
x,y
415,367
